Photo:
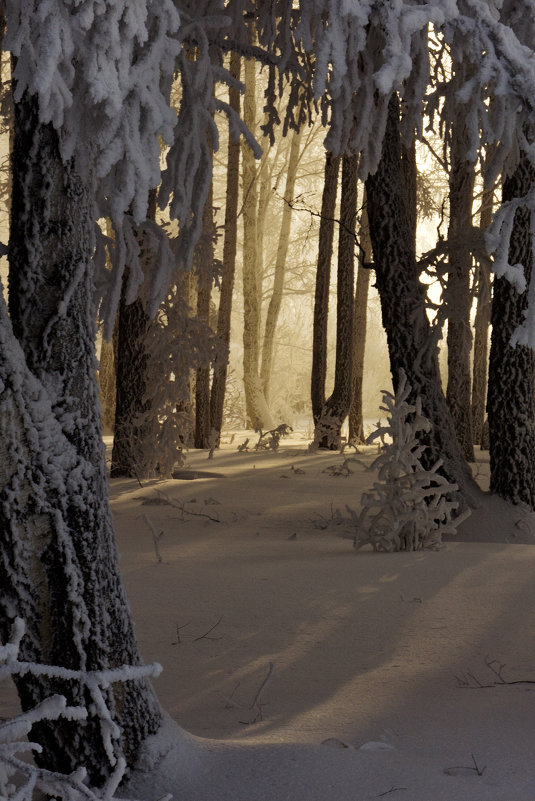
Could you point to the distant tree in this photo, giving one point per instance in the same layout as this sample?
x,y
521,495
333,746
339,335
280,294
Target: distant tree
x,y
323,276
336,408
482,324
258,413
275,300
203,261
217,393
356,416
458,294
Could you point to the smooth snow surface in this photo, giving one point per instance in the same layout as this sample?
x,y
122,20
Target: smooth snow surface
x,y
361,670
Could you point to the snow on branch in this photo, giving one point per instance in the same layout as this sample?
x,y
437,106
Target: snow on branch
x,y
100,69
409,507
20,779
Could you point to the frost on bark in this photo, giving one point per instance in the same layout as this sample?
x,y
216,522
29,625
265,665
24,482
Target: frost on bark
x,y
356,416
323,277
132,445
280,266
411,343
459,297
481,326
336,408
217,392
58,559
510,403
257,409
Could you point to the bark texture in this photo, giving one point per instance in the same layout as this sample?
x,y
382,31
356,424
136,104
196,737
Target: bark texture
x,y
336,407
411,343
107,385
481,328
58,560
203,266
356,416
132,406
323,277
217,392
510,402
459,297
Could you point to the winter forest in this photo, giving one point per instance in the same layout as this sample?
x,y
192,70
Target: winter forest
x,y
267,400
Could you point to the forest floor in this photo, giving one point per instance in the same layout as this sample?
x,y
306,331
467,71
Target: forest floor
x,y
304,670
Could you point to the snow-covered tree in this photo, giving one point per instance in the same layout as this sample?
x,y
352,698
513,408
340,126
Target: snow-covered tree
x,y
77,147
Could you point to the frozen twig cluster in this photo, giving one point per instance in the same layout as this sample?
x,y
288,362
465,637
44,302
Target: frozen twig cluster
x,y
409,507
20,780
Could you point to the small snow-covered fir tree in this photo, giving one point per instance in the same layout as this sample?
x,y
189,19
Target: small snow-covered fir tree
x,y
409,506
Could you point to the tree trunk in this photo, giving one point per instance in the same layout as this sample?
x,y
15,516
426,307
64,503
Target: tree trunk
x,y
203,265
58,559
411,343
132,453
107,384
356,417
336,408
217,395
510,403
257,409
410,173
459,298
280,266
481,327
323,277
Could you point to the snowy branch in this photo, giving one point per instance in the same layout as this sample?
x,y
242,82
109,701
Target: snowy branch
x,y
19,779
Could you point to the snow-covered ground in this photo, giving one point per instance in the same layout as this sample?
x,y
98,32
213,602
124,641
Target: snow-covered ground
x,y
304,670
301,670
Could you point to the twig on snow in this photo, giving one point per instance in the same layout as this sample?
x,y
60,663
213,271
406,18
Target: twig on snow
x,y
182,508
256,705
205,636
178,630
156,537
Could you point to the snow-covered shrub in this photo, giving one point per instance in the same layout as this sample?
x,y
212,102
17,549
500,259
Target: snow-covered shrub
x,y
270,440
409,507
22,780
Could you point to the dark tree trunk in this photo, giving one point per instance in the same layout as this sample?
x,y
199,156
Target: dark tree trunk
x,y
459,297
323,277
58,560
410,176
203,265
107,385
132,453
510,402
481,328
336,407
217,395
411,343
356,416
